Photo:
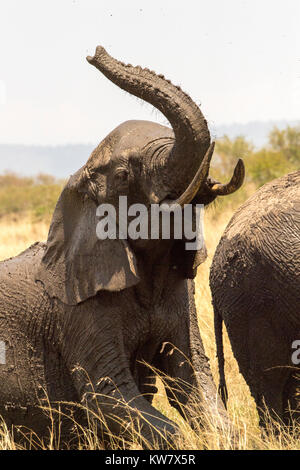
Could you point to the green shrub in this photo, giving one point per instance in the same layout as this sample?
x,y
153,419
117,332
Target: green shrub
x,y
280,156
266,165
37,195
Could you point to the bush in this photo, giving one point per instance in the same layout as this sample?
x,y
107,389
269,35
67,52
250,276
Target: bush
x,y
37,195
266,165
287,142
280,156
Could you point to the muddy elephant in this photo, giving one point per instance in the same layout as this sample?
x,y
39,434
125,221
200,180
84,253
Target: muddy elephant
x,y
80,315
255,284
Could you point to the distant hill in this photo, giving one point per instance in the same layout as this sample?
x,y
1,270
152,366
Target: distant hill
x,y
60,161
256,131
63,160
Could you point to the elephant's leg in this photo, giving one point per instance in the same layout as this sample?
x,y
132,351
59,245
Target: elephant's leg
x,y
122,404
104,381
291,399
263,358
191,388
143,375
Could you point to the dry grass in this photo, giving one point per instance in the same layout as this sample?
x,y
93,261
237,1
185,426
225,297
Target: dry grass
x,y
18,234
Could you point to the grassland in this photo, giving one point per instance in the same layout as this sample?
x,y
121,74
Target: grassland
x,y
26,205
17,232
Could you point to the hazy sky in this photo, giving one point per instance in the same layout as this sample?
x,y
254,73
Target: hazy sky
x,y
239,58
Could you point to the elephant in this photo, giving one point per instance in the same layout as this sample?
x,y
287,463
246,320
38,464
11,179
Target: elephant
x,y
255,285
84,320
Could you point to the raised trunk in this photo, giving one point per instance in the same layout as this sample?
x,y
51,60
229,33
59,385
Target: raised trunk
x,y
192,136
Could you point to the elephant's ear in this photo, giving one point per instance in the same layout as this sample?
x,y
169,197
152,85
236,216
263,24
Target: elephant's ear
x,y
76,264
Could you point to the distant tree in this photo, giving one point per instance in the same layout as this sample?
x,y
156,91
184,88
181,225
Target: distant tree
x,y
228,151
266,165
280,156
9,178
287,142
37,195
43,178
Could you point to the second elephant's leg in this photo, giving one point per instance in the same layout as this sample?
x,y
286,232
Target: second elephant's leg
x,y
264,357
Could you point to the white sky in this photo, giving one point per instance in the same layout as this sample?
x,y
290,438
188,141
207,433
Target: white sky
x,y
239,58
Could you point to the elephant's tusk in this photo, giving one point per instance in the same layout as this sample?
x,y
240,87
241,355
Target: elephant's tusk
x,y
234,184
198,180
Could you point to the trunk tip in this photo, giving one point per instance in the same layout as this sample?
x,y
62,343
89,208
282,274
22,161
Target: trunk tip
x,y
100,51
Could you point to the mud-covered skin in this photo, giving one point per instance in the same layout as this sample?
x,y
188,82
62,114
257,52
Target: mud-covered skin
x,y
255,283
108,336
29,327
102,306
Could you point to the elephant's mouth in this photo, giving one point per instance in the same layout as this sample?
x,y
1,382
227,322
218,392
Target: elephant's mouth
x,y
203,189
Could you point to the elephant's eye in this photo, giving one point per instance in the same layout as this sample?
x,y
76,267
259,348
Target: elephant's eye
x,y
121,175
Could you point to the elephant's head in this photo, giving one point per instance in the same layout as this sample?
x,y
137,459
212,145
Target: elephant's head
x,y
144,161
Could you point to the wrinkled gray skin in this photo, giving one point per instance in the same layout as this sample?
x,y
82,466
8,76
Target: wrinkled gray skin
x,y
105,306
255,283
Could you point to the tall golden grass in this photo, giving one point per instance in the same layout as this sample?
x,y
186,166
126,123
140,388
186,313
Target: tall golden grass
x,y
16,234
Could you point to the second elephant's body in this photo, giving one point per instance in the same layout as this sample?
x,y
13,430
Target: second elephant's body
x,y
255,282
